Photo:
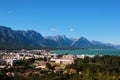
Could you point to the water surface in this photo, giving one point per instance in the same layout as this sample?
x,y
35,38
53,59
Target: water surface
x,y
88,52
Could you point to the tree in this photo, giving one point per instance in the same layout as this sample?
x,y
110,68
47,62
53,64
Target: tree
x,y
48,66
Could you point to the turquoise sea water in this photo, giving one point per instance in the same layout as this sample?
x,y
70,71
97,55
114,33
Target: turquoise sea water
x,y
88,52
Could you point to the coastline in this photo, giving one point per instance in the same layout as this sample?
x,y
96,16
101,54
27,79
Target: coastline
x,y
88,52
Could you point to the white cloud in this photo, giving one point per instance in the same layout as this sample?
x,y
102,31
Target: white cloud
x,y
71,30
53,29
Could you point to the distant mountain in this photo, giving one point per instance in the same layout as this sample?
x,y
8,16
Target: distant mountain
x,y
116,46
32,37
73,39
19,39
11,39
100,45
113,45
63,41
82,43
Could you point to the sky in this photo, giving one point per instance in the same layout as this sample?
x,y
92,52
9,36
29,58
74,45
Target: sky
x,y
94,19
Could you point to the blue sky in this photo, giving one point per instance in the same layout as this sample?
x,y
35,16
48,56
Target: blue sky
x,y
93,19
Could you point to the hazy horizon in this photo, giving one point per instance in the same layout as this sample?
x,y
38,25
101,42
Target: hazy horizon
x,y
95,20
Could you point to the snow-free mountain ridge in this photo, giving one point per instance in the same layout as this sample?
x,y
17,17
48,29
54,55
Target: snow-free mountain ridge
x,y
19,39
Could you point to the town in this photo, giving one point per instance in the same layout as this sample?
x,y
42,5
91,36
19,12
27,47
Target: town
x,y
44,64
40,59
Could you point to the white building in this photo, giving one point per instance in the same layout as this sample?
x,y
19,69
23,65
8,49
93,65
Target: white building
x,y
66,59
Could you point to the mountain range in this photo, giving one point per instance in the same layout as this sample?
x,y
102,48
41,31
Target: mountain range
x,y
30,39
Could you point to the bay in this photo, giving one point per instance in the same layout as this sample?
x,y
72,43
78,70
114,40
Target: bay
x,y
88,52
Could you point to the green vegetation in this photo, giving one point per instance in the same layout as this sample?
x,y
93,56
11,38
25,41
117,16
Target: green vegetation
x,y
97,68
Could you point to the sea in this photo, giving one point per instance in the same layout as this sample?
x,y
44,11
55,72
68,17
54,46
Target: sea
x,y
88,52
